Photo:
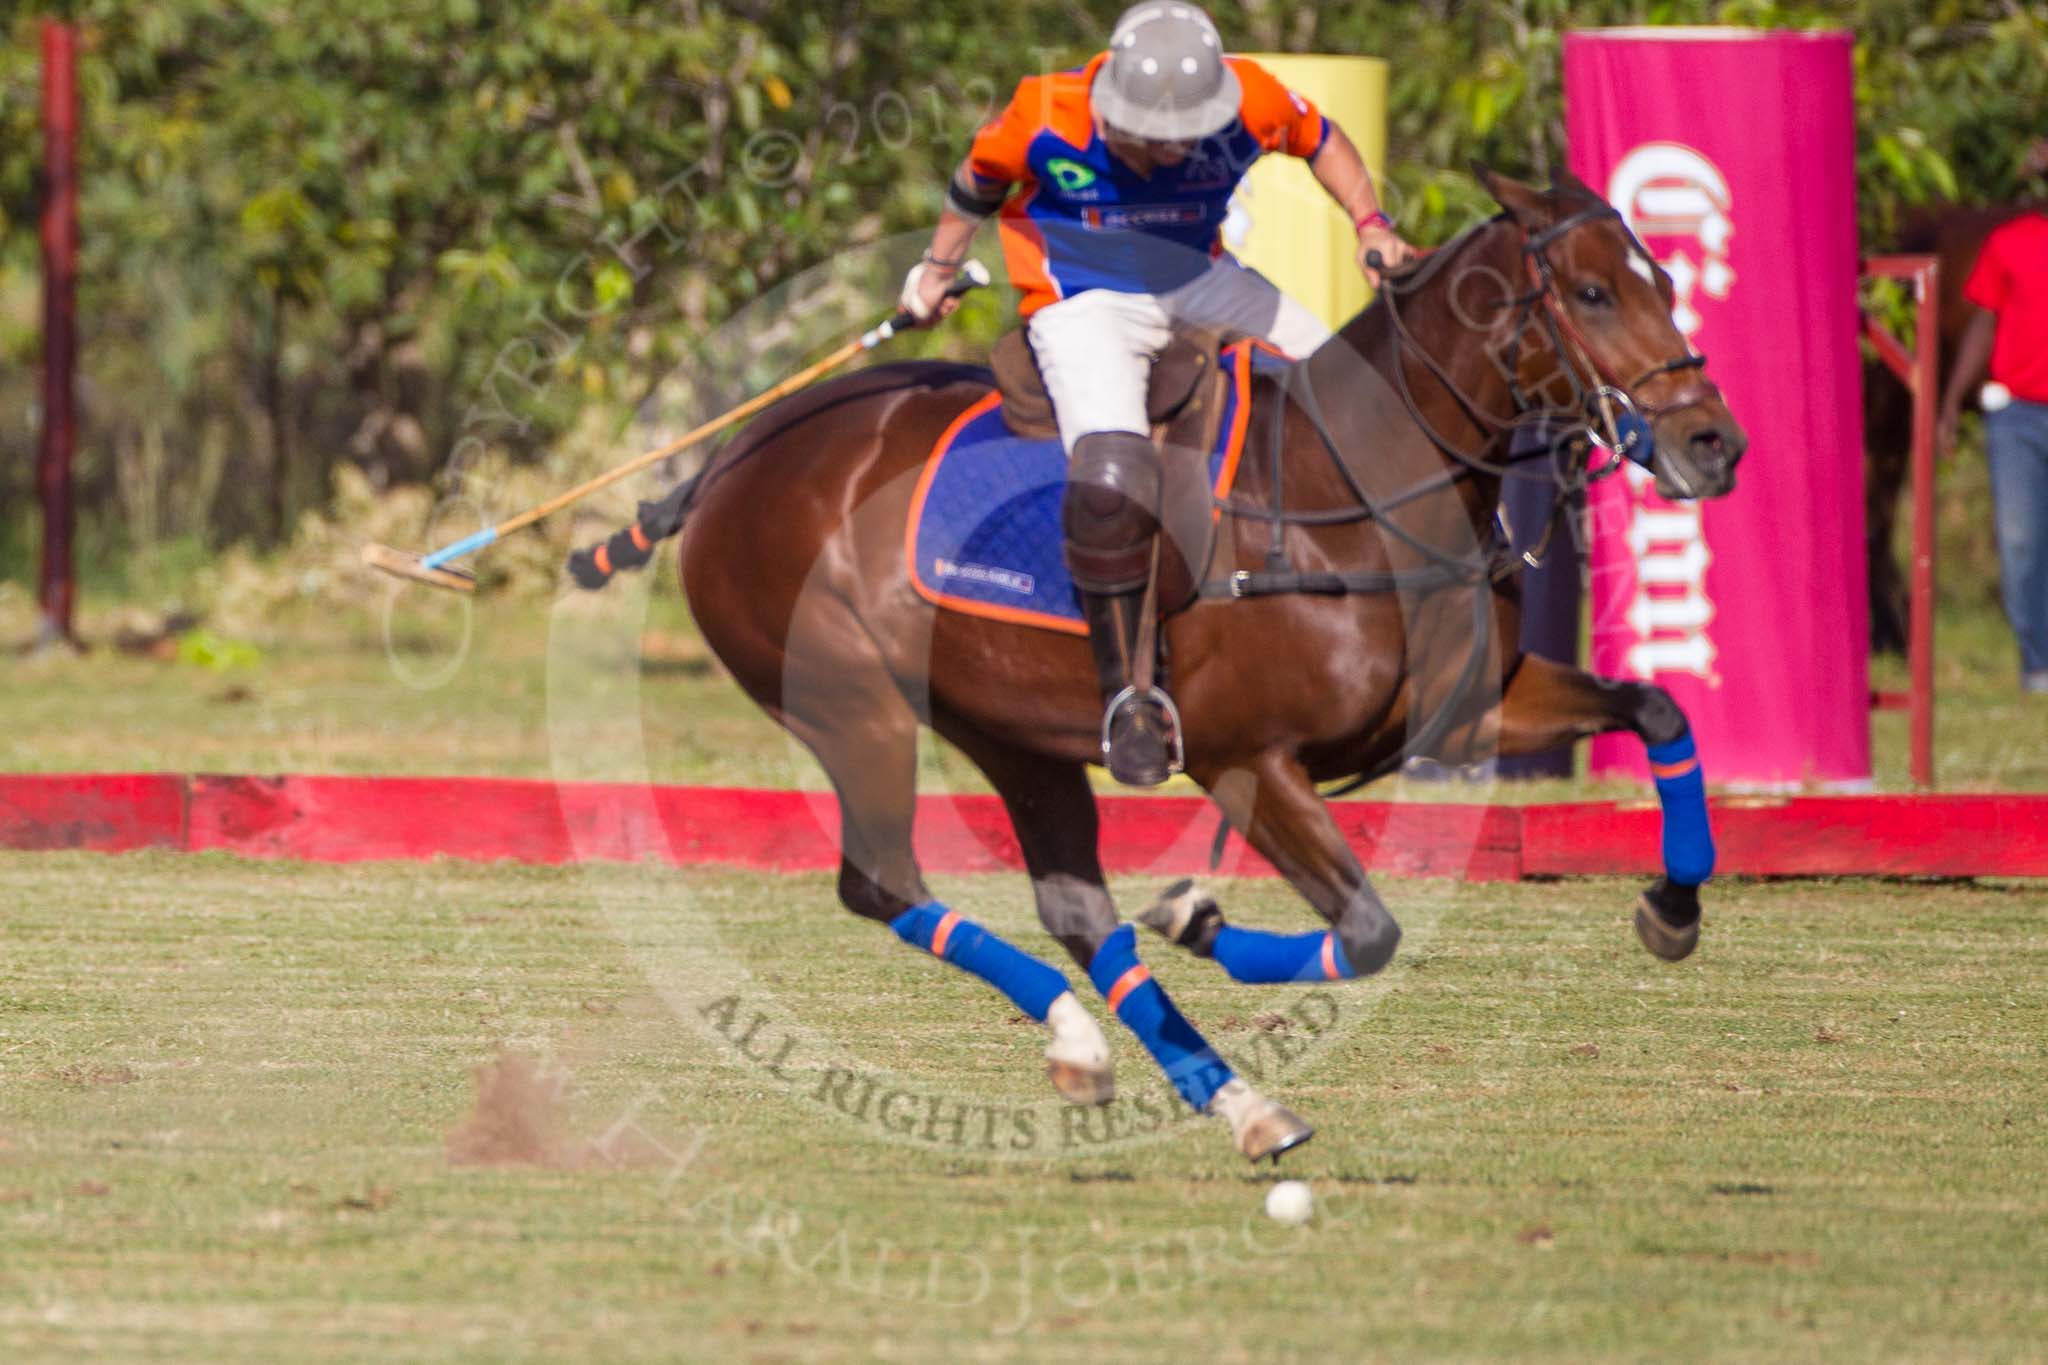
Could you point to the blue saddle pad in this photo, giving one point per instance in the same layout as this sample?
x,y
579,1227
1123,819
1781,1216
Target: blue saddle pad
x,y
984,534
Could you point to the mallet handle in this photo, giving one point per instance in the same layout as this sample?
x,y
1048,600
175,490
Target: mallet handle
x,y
973,277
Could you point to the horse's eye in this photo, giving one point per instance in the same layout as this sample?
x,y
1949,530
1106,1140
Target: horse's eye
x,y
1593,296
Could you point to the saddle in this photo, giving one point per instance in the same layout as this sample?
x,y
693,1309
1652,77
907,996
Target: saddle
x,y
1184,403
1177,377
983,535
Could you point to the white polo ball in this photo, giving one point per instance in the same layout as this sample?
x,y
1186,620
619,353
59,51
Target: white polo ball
x,y
1290,1202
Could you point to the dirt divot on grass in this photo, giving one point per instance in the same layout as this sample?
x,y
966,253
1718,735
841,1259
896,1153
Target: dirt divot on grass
x,y
517,1118
523,1116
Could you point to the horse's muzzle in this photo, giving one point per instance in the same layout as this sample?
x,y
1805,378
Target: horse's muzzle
x,y
1698,459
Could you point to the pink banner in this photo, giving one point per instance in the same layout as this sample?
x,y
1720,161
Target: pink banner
x,y
1732,153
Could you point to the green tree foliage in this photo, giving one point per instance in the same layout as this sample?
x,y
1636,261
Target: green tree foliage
x,y
370,232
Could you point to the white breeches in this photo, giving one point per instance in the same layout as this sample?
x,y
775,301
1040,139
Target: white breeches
x,y
1096,349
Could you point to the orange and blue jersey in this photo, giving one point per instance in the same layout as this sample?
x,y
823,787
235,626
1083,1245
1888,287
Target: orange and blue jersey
x,y
1081,219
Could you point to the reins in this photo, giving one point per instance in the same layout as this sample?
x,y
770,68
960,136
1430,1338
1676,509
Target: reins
x,y
1602,414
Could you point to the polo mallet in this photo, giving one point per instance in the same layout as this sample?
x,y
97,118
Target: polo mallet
x,y
432,569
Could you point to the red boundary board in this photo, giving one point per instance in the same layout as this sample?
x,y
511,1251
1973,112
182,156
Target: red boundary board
x,y
102,812
357,819
1846,836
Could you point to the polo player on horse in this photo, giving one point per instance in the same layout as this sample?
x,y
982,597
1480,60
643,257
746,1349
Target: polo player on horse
x,y
1113,181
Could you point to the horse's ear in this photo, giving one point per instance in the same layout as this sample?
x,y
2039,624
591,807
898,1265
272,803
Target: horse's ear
x,y
1566,183
1525,204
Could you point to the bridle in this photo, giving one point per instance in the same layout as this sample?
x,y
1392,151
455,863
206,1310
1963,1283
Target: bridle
x,y
1601,413
1608,398
1602,408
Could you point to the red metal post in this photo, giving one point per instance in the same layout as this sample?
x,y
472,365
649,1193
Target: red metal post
x,y
60,336
1926,393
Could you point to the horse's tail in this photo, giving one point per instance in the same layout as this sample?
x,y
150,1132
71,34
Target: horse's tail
x,y
632,546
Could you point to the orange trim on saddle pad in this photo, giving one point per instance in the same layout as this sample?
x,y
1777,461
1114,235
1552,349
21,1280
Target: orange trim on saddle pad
x,y
1666,771
943,932
1239,355
1125,984
1240,419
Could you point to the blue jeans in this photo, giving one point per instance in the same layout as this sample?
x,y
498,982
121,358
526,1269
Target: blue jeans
x,y
2017,437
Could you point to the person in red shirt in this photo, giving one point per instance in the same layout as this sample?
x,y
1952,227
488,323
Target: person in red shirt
x,y
2009,333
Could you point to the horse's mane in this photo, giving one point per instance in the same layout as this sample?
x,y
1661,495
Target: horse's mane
x,y
1376,318
1425,271
1433,264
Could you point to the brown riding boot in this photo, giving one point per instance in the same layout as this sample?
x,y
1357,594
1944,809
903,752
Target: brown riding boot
x,y
1111,516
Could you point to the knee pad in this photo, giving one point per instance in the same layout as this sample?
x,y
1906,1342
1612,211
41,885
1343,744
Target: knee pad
x,y
1111,510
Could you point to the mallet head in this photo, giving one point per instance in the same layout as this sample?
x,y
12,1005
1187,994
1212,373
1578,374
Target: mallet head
x,y
399,564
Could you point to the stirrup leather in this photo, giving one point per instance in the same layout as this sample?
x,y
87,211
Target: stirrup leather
x,y
1178,762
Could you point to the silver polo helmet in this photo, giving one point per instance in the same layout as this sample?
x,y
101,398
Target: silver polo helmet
x,y
1165,79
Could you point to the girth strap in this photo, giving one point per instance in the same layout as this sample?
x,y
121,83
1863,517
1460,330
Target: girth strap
x,y
1275,583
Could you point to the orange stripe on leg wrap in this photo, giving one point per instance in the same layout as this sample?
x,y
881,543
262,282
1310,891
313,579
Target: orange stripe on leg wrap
x,y
640,540
1329,957
1670,770
944,932
1128,982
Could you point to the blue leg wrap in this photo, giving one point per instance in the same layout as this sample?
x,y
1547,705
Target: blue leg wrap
x,y
1186,1057
1031,985
1688,841
1252,955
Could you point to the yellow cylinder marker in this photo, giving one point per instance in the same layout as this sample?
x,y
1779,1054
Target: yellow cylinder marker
x,y
1281,223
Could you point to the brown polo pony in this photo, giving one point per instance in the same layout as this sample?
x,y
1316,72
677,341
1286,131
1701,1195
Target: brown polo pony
x,y
1357,608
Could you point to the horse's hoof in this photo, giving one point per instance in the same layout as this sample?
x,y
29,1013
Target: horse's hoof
x,y
1261,1127
1077,1058
1082,1084
1671,940
1274,1136
1186,914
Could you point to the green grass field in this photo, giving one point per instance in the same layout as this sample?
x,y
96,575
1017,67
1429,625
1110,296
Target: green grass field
x,y
226,1090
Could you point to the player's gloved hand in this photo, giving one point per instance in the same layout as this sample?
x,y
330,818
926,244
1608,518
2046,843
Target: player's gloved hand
x,y
924,292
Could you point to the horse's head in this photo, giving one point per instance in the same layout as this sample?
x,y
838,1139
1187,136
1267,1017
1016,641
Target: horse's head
x,y
1610,304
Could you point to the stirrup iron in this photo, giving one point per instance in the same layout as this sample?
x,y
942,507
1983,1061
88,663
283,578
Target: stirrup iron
x,y
1177,762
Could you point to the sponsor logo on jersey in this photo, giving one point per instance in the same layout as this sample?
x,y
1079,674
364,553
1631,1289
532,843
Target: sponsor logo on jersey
x,y
1071,176
1141,217
1210,169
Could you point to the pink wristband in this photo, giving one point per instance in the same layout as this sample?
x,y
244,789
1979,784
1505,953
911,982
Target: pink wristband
x,y
1377,218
